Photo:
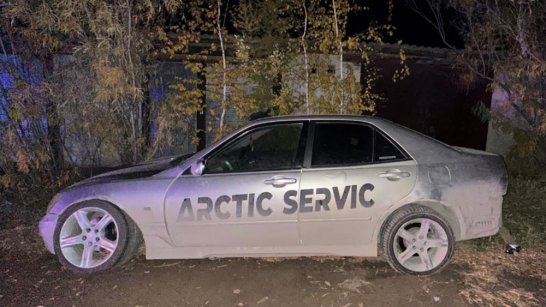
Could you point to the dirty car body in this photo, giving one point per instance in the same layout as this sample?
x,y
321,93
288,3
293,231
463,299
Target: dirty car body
x,y
293,186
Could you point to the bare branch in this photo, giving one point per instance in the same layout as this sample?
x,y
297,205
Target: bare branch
x,y
436,21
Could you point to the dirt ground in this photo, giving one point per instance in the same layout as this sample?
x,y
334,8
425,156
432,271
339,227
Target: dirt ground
x,y
29,276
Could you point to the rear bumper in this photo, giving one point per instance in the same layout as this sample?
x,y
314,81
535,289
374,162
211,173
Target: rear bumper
x,y
484,224
46,228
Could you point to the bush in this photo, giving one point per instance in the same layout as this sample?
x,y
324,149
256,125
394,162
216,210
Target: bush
x,y
524,210
24,196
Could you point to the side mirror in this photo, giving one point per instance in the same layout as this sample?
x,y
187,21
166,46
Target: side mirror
x,y
197,167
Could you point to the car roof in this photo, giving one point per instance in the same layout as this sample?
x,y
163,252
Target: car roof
x,y
422,148
320,117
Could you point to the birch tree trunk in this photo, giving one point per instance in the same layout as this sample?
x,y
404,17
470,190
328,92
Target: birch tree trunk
x,y
305,58
223,104
340,42
136,123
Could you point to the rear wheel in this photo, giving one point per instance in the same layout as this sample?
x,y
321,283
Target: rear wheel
x,y
417,240
91,237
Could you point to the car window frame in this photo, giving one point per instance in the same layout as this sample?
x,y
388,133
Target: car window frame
x,y
404,153
307,162
300,151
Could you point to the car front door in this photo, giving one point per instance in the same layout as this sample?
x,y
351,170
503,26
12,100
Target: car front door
x,y
353,174
238,200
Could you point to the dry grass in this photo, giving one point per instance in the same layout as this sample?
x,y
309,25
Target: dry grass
x,y
21,240
492,278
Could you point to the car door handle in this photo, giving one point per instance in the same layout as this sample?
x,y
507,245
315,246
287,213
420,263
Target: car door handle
x,y
280,182
394,174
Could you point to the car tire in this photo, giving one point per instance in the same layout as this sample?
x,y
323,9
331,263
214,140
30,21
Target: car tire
x,y
135,240
417,240
91,237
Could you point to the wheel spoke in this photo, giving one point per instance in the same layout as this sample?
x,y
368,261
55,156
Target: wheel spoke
x,y
425,259
87,256
404,234
405,255
425,226
71,241
437,243
104,221
108,245
81,218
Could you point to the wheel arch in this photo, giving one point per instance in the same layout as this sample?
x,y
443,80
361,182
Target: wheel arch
x,y
118,207
451,216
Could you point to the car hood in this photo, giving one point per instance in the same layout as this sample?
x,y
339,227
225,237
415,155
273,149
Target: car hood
x,y
141,170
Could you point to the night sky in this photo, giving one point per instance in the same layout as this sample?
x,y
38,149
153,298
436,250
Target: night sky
x,y
411,28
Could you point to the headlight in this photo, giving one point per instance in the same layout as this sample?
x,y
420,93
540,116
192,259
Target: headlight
x,y
53,201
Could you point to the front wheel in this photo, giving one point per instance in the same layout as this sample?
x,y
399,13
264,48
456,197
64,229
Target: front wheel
x,y
417,240
91,237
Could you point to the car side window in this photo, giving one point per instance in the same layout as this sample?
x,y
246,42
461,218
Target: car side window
x,y
385,150
337,144
273,147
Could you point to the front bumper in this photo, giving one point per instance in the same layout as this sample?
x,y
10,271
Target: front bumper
x,y
46,228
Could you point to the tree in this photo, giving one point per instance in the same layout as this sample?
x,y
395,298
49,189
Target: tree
x,y
337,90
294,52
92,59
98,55
202,24
31,148
505,45
260,66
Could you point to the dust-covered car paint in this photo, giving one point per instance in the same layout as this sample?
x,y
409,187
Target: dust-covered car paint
x,y
185,212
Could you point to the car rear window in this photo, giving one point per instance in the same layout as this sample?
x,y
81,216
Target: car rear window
x,y
385,150
338,144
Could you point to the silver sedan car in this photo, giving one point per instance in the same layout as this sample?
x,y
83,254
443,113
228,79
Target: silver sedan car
x,y
287,186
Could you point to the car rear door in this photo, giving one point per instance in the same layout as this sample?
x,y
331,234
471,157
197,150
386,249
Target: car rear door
x,y
352,175
238,201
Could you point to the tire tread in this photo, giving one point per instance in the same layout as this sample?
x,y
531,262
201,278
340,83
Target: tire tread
x,y
135,240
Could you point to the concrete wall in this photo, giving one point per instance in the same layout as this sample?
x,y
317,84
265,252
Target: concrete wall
x,y
500,140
